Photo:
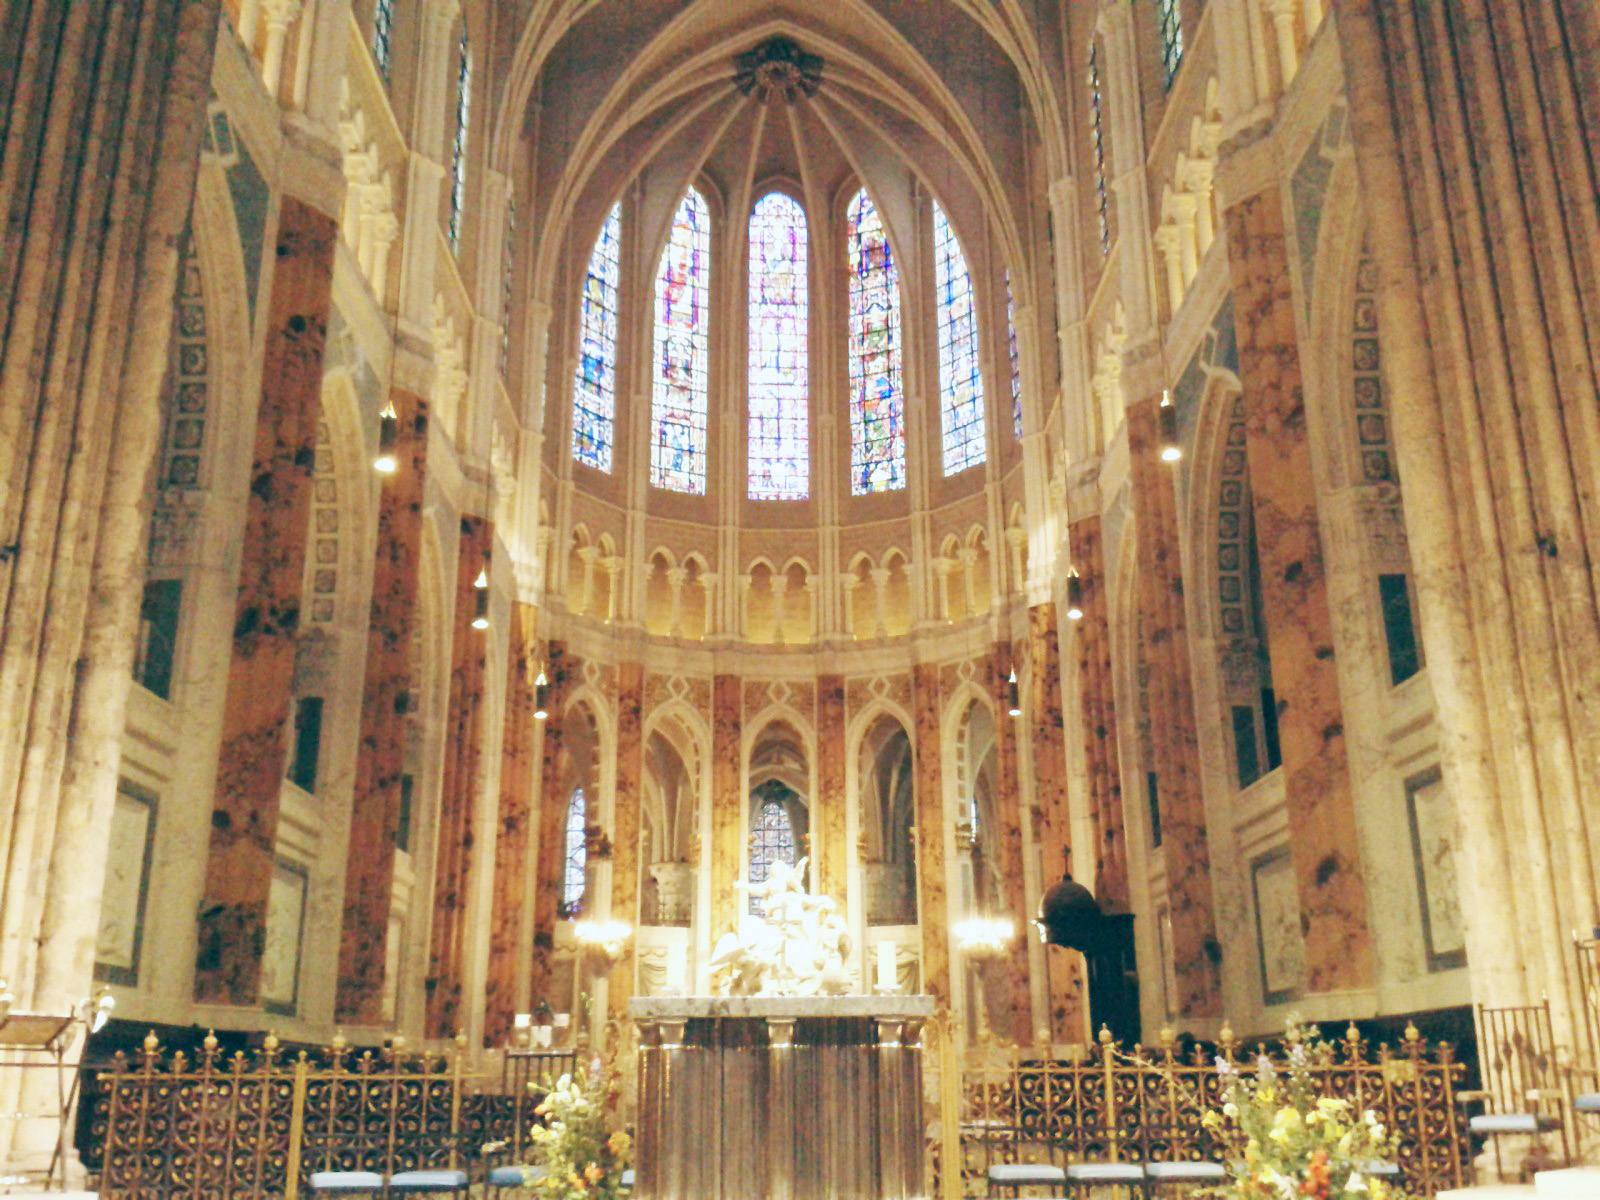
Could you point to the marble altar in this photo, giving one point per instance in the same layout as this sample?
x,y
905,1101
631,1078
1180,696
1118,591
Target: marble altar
x,y
780,1097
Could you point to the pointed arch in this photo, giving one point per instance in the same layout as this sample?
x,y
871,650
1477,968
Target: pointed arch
x,y
681,359
960,378
594,399
779,351
877,403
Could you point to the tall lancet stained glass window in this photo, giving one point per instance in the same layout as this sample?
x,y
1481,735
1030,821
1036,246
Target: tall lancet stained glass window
x,y
877,405
780,443
594,391
960,382
771,841
678,449
458,149
576,873
1016,364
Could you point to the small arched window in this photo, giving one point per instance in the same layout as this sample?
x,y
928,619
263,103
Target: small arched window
x,y
779,385
877,405
458,148
960,381
683,285
594,391
1097,147
771,841
1171,19
577,846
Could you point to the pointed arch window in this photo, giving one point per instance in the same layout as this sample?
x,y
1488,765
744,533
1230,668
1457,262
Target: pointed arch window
x,y
458,148
780,426
771,841
1016,363
683,286
1171,20
594,392
1097,146
382,36
577,856
877,404
960,382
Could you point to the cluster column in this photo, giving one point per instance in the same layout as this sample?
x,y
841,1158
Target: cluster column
x,y
933,909
629,797
561,670
1099,719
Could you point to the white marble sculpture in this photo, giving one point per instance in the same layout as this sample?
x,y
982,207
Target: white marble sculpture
x,y
797,949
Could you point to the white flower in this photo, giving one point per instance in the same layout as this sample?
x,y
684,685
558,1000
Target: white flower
x,y
1355,1183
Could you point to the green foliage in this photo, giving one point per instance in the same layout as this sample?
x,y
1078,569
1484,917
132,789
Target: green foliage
x,y
582,1156
1294,1142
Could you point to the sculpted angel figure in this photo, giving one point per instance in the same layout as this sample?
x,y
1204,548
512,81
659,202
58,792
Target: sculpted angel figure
x,y
797,948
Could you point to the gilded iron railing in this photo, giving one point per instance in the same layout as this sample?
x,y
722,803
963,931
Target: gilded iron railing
x,y
212,1125
1109,1104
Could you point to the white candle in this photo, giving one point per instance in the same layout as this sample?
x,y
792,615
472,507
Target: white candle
x,y
678,968
522,1021
887,976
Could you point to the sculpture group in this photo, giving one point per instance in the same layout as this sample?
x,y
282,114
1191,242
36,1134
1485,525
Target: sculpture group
x,y
798,947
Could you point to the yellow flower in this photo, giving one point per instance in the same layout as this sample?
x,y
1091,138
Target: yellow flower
x,y
619,1143
1280,1135
1331,1104
1212,1119
593,1173
1287,1118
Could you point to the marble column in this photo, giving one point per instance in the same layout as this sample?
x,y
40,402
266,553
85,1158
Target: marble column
x,y
1092,643
1069,1003
829,811
933,905
96,180
561,670
1017,1007
256,713
628,799
1164,644
513,841
385,708
1316,768
458,790
1476,127
728,801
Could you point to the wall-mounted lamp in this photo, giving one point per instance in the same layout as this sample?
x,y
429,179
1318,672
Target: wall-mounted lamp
x,y
481,619
388,434
1171,451
1074,595
541,697
1013,695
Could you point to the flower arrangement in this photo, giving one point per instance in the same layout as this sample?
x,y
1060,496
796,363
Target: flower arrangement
x,y
1298,1144
581,1158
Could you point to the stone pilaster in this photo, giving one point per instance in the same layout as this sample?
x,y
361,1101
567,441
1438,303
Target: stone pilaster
x,y
728,801
250,771
1016,1010
513,842
828,811
1164,642
1305,679
458,789
1098,720
1476,126
561,670
1047,730
933,903
385,707
625,825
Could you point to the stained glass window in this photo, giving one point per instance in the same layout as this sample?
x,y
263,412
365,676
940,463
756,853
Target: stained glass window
x,y
877,406
572,884
458,150
683,283
594,392
1171,37
382,34
780,444
1016,364
1097,145
960,383
772,840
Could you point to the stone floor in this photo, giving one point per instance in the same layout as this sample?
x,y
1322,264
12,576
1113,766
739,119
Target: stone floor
x,y
1574,1183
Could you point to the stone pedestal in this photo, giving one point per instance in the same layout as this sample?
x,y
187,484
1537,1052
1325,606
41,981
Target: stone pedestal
x,y
806,1098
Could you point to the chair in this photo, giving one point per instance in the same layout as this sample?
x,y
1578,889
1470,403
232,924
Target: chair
x,y
1014,1176
1524,1092
1106,1174
438,1181
346,1183
514,1176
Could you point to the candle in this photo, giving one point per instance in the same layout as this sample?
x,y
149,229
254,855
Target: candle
x,y
678,968
887,975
